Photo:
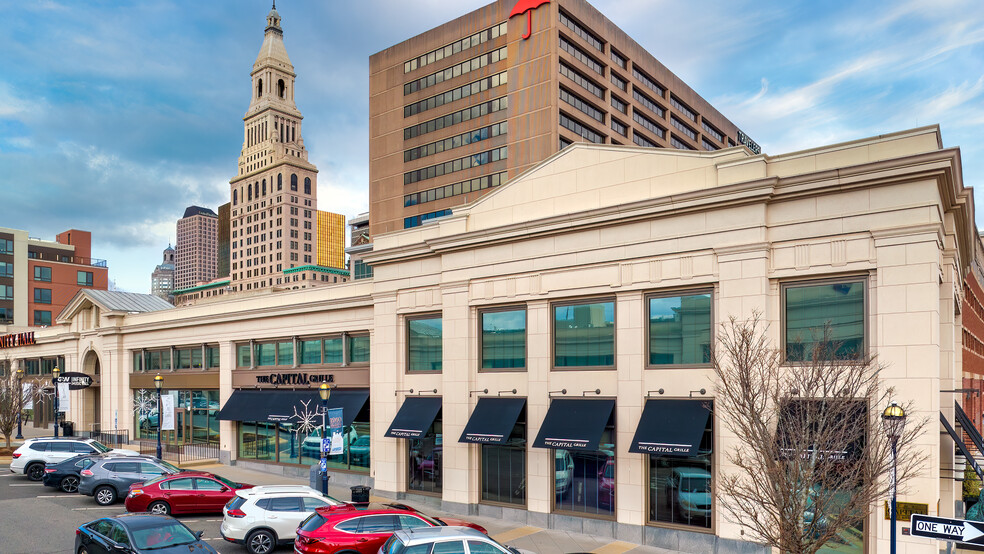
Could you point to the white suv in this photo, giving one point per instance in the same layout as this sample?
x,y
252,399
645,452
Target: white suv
x,y
31,456
263,517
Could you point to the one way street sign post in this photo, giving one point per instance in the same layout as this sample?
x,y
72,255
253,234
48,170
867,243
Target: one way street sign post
x,y
944,529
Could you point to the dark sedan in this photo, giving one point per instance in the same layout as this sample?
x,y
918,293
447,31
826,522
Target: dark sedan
x,y
65,475
137,533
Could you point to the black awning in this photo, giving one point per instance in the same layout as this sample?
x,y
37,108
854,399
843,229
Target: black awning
x,y
574,423
493,420
415,417
671,427
281,405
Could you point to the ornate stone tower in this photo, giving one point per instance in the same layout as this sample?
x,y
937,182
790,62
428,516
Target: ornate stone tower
x,y
274,195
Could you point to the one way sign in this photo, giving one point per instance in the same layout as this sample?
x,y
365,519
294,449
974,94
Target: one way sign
x,y
953,530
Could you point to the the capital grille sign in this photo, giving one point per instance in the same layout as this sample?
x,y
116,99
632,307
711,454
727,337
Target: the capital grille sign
x,y
17,339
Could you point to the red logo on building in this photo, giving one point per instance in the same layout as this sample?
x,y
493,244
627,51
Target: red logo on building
x,y
527,7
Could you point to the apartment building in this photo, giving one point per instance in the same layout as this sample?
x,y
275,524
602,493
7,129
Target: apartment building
x,y
196,248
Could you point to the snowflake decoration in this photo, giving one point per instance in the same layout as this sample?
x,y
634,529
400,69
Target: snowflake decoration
x,y
143,402
307,421
41,394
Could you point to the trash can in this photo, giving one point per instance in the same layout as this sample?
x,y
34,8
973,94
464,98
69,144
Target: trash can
x,y
68,428
360,494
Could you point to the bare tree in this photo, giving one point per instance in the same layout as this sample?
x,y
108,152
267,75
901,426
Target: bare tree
x,y
811,458
11,398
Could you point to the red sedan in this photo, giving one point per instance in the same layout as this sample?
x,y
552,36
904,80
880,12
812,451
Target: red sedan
x,y
188,492
362,528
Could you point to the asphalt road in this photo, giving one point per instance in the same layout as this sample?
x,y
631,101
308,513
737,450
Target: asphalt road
x,y
41,520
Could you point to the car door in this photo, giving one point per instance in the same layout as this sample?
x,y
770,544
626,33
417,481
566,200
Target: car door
x,y
123,474
374,530
180,494
58,451
285,514
211,495
96,540
118,535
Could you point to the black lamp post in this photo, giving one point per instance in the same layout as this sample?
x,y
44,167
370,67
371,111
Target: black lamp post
x,y
54,379
20,401
893,418
325,392
158,383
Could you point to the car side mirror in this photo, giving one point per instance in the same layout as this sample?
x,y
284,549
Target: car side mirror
x,y
513,549
224,489
198,534
122,548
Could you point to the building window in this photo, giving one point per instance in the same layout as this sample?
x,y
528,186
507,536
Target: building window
x,y
584,335
584,480
581,55
456,141
424,343
212,357
285,353
358,347
648,124
455,71
41,296
6,315
577,77
242,355
307,185
84,278
455,47
581,105
503,339
6,246
620,127
280,181
450,96
679,331
837,307
580,129
41,273
156,360
7,292
455,118
504,467
362,270
293,182
680,488
418,220
196,408
425,459
309,351
618,59
42,317
265,354
452,166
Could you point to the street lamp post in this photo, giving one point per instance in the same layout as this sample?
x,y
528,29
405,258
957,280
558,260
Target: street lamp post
x,y
893,419
325,392
20,401
158,383
55,373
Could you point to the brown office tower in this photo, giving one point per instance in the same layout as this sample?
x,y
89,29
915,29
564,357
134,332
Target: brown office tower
x,y
224,241
274,195
196,248
38,278
463,107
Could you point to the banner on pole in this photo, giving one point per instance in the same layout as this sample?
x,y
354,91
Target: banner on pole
x,y
64,398
28,396
335,422
167,413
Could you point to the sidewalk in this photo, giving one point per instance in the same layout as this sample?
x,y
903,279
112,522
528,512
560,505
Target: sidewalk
x,y
541,541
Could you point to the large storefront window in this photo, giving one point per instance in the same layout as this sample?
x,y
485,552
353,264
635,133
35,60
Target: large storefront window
x,y
584,480
584,335
680,488
503,339
811,307
426,459
679,331
195,416
504,467
424,344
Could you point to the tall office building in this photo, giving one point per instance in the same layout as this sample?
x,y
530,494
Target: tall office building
x,y
274,195
196,248
162,279
224,241
463,107
38,278
331,240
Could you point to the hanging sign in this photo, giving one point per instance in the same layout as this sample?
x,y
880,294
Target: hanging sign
x,y
75,381
28,392
335,422
167,413
64,398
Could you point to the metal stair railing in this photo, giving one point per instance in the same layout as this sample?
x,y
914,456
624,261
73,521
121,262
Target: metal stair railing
x,y
958,440
968,427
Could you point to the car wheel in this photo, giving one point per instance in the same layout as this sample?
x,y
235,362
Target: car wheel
x,y
159,508
82,550
105,496
261,542
35,472
70,484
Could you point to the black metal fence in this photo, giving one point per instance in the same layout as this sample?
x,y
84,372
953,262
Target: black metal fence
x,y
113,438
182,453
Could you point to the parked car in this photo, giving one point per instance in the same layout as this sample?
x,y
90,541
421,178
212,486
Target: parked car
x,y
362,528
359,451
564,469
606,484
31,457
261,518
139,533
451,539
688,489
188,492
109,479
65,475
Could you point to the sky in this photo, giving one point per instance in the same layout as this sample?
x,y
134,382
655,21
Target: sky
x,y
116,115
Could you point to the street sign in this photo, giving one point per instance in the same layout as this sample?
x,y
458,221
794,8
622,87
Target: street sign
x,y
324,465
326,444
944,529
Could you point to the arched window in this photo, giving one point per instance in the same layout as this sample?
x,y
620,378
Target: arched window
x,y
293,183
307,185
235,197
249,193
280,181
264,187
281,88
259,88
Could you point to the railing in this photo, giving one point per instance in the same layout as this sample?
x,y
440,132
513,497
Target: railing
x,y
182,453
66,259
113,437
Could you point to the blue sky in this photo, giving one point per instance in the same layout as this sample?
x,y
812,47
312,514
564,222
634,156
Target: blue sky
x,y
116,115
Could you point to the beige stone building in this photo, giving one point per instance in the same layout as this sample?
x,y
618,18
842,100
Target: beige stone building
x,y
503,360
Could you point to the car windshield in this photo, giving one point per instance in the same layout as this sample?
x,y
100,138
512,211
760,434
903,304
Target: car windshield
x,y
170,468
610,471
99,446
559,464
695,484
155,480
161,536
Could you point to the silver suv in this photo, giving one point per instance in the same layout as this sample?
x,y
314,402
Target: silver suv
x,y
110,477
445,540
